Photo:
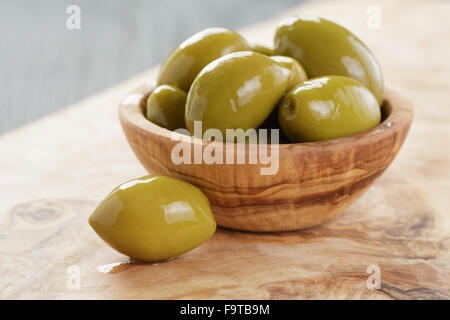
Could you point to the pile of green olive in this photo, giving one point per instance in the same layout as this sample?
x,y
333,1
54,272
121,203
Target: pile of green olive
x,y
319,80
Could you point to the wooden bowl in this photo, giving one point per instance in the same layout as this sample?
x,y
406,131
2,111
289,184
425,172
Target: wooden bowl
x,y
315,180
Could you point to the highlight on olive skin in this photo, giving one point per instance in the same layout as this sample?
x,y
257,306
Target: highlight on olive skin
x,y
328,107
154,218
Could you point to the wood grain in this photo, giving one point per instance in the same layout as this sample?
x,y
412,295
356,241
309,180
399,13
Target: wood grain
x,y
54,171
314,182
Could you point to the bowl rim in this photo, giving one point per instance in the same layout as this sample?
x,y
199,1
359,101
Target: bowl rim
x,y
399,111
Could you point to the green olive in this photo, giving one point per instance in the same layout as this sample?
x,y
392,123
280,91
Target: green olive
x,y
262,49
328,107
154,218
237,91
298,74
184,63
165,107
325,48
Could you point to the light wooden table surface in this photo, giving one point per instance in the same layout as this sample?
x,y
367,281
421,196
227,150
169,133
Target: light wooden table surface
x,y
55,170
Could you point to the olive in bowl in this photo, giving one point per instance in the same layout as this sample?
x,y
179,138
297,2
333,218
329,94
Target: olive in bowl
x,y
184,63
326,108
298,74
239,90
165,107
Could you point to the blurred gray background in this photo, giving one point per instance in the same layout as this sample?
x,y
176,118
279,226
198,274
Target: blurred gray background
x,y
44,66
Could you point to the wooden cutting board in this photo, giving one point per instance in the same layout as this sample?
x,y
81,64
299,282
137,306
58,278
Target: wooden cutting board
x,y
55,170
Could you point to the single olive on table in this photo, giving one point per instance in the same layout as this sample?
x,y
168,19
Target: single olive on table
x,y
154,218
